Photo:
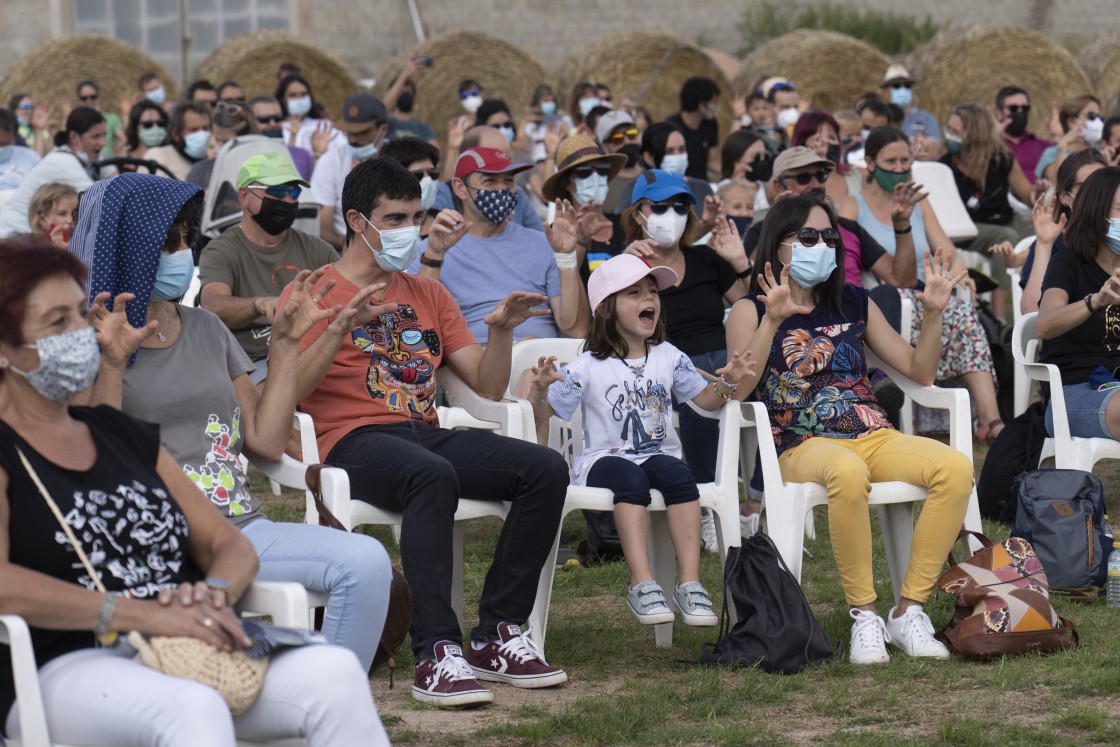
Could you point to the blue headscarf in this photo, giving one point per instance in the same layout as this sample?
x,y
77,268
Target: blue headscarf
x,y
122,228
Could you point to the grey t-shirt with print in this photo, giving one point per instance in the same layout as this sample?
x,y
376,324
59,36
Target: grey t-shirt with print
x,y
188,390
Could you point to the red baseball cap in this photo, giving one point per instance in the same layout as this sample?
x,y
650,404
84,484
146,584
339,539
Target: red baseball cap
x,y
487,161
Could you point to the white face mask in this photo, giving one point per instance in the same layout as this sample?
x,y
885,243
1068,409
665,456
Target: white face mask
x,y
675,163
593,189
471,104
428,189
666,229
586,105
1093,130
788,117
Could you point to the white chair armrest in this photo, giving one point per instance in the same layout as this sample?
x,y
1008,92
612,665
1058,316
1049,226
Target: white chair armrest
x,y
334,482
935,397
29,699
285,602
513,417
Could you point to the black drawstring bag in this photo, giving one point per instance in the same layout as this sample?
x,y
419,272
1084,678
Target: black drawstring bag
x,y
776,630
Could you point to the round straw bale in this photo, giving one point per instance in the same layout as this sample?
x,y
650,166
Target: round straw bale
x,y
1101,60
252,59
828,68
970,65
504,70
53,71
728,64
649,67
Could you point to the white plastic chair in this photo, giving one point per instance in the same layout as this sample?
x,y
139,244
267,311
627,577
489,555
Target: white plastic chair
x,y
193,289
788,503
1068,452
938,181
722,496
1021,382
285,602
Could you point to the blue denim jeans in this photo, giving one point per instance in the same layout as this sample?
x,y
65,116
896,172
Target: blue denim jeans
x,y
353,569
420,471
700,435
1086,409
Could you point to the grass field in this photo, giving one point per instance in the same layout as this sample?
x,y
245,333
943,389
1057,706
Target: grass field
x,y
624,691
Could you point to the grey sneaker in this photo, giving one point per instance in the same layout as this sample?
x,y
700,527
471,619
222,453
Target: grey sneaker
x,y
647,602
708,539
695,605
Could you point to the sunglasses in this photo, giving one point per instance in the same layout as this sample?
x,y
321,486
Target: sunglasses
x,y
179,235
1016,108
421,173
811,236
465,94
584,172
226,106
280,191
155,123
92,97
618,137
896,86
270,119
782,87
26,107
1091,116
680,207
805,179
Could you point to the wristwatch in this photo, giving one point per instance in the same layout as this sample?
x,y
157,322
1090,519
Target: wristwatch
x,y
426,260
220,584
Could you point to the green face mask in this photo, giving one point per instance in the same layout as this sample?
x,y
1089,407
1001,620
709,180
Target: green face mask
x,y
888,180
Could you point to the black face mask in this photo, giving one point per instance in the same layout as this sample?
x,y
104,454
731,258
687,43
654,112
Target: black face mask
x,y
633,153
742,223
276,216
833,154
273,132
762,168
1018,124
405,102
815,192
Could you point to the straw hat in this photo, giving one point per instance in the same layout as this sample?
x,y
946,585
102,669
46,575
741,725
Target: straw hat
x,y
573,151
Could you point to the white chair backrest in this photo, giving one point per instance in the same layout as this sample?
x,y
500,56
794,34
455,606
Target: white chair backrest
x,y
1024,339
937,179
564,437
193,289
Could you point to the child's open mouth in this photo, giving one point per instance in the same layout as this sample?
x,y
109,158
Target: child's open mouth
x,y
648,316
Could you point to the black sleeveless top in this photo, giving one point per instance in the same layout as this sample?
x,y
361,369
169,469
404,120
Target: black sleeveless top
x,y
121,512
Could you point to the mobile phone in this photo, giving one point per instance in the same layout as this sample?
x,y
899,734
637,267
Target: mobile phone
x,y
423,61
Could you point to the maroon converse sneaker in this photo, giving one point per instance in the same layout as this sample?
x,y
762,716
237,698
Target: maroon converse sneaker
x,y
447,680
515,660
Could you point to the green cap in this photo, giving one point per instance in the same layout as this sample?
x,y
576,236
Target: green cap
x,y
269,169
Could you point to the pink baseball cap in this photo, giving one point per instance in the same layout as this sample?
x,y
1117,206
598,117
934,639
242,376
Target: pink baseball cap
x,y
620,272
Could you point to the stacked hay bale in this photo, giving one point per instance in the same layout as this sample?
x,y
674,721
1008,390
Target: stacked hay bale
x,y
1101,61
649,67
53,71
252,59
830,69
970,65
504,70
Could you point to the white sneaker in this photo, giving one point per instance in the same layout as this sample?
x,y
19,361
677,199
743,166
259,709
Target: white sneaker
x,y
748,525
708,531
913,632
869,638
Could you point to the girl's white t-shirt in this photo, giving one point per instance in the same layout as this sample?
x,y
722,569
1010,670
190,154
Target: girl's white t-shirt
x,y
626,405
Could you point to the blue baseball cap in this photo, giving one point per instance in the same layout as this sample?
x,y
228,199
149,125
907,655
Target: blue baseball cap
x,y
656,185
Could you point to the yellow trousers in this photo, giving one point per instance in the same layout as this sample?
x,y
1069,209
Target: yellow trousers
x,y
848,466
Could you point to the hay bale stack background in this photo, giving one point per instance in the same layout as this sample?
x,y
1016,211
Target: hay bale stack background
x,y
970,66
504,70
53,71
647,66
252,59
830,69
728,64
1101,60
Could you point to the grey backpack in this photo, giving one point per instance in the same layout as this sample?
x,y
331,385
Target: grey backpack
x,y
1061,513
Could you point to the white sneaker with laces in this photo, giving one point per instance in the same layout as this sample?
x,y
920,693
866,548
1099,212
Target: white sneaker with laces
x,y
708,539
869,638
912,631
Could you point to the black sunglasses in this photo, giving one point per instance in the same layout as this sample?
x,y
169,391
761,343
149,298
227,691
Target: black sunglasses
x,y
1016,108
157,123
91,97
680,207
810,237
279,191
270,119
901,84
421,173
583,172
805,179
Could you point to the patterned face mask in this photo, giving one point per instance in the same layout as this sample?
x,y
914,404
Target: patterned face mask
x,y
496,205
68,364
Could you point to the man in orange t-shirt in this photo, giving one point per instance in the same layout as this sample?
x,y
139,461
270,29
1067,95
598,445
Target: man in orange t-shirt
x,y
369,381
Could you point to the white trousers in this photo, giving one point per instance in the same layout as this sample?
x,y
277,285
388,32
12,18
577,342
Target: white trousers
x,y
100,697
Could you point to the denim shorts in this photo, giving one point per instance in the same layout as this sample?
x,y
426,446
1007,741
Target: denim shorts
x,y
1085,408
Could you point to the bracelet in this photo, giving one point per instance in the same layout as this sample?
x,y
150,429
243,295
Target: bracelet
x,y
426,260
105,618
566,260
904,231
745,273
715,388
1089,304
728,384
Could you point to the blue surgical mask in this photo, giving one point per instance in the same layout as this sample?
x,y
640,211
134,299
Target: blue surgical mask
x,y
6,152
810,266
194,144
399,247
156,95
173,276
507,131
593,189
429,187
675,163
548,108
23,121
299,106
363,152
902,97
1113,236
586,105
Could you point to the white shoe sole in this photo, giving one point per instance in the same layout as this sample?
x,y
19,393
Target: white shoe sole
x,y
655,618
700,621
938,655
884,659
464,699
527,682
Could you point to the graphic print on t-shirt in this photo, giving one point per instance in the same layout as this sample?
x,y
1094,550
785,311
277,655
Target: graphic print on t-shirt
x,y
220,477
641,409
1112,329
400,368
